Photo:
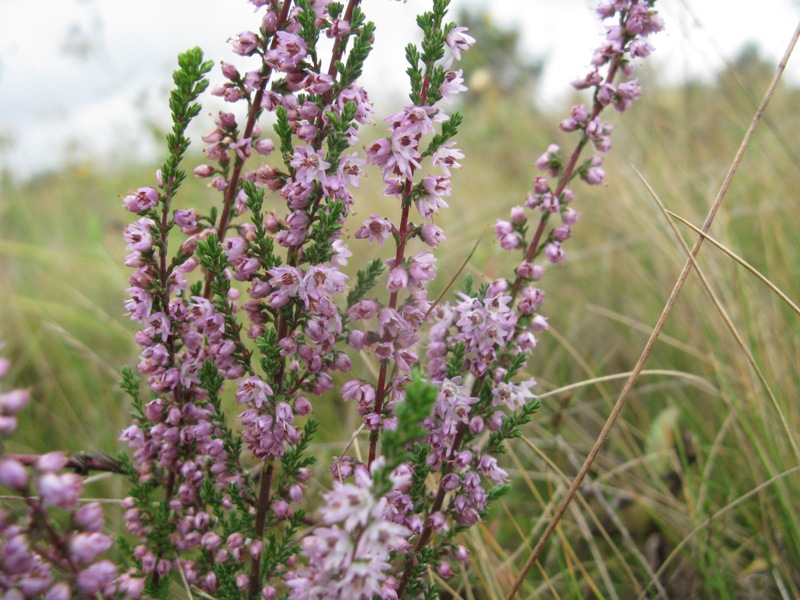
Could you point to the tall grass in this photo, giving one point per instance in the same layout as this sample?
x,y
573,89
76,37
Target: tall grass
x,y
694,495
726,497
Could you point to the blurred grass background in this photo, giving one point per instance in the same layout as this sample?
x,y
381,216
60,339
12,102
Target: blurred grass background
x,y
695,493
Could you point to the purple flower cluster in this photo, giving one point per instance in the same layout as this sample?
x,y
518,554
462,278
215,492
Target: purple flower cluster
x,y
39,559
400,155
349,556
254,294
624,42
293,308
176,440
496,330
11,402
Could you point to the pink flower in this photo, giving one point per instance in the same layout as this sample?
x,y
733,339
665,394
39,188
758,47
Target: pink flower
x,y
405,152
234,248
341,253
422,267
453,84
505,234
51,462
570,216
131,587
60,591
60,490
317,83
310,164
347,504
285,282
640,49
245,43
8,425
562,233
550,161
604,11
379,152
525,270
432,235
139,304
289,52
627,93
430,204
139,235
338,29
242,148
594,176
490,469
264,146
89,517
84,548
360,98
554,253
13,474
458,40
253,390
187,221
350,169
446,157
92,580
321,283
398,279
144,199
376,230
444,570
229,71
14,401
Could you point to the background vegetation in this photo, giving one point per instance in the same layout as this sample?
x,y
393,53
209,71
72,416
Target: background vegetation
x,y
694,494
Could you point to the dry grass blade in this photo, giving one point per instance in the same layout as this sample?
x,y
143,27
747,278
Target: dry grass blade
x,y
615,412
562,477
450,283
615,520
644,328
728,322
698,381
774,288
728,507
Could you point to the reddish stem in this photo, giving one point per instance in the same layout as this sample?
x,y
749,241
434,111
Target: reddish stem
x,y
252,116
402,233
261,517
382,387
284,329
566,175
80,462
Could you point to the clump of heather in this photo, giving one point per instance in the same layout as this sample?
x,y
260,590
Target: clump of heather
x,y
248,302
52,544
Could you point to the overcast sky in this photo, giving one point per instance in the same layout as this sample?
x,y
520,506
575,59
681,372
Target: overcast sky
x,y
82,76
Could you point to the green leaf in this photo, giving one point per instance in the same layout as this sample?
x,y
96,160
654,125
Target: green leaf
x,y
367,278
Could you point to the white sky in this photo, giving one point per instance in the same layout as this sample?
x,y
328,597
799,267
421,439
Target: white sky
x,y
83,76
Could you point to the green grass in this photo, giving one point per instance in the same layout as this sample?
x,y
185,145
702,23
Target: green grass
x,y
697,483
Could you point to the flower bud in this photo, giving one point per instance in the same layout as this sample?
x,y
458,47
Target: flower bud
x,y
13,474
203,171
89,517
264,146
52,461
444,570
229,71
14,401
462,555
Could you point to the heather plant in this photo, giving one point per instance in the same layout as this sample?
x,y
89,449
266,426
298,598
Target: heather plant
x,y
248,304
